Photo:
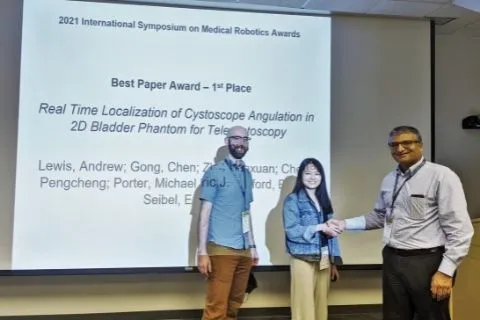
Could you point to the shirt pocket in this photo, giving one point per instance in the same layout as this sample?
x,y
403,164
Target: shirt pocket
x,y
418,206
307,214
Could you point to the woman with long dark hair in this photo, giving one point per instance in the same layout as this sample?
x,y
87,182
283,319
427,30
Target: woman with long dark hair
x,y
311,242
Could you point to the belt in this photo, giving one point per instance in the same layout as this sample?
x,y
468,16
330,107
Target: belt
x,y
416,252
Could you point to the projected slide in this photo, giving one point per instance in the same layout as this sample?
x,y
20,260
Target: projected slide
x,y
124,107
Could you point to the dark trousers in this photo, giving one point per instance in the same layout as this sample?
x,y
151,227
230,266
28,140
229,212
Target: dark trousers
x,y
407,277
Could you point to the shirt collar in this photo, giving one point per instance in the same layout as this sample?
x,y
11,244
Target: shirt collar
x,y
411,169
235,162
302,196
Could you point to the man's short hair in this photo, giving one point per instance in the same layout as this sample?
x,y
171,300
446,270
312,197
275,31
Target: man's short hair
x,y
405,129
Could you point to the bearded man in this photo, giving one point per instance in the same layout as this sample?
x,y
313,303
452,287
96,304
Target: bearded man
x,y
226,246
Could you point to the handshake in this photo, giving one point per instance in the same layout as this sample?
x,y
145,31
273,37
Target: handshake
x,y
332,228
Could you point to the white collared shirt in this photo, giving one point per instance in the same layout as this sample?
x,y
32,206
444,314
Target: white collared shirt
x,y
430,211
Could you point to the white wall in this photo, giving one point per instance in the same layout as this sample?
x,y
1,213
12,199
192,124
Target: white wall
x,y
97,294
457,96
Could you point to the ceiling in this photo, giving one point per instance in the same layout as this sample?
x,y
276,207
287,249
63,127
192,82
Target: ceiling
x,y
451,16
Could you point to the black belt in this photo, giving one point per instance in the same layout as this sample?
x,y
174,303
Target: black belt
x,y
415,252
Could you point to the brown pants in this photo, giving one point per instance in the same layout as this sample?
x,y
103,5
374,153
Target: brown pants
x,y
226,286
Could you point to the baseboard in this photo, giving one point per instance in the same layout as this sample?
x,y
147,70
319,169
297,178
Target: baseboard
x,y
195,314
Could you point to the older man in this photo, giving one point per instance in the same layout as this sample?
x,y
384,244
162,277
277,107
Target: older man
x,y
427,231
226,246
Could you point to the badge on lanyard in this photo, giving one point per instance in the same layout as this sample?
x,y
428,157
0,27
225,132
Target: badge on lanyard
x,y
246,221
387,231
324,258
389,216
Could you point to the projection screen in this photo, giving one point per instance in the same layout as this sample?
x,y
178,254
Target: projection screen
x,y
122,108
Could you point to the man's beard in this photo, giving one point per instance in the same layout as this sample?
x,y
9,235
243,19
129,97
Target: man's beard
x,y
238,152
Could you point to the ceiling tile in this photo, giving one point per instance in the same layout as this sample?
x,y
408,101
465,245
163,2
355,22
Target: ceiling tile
x,y
449,10
404,8
469,4
217,1
458,24
277,3
354,6
428,1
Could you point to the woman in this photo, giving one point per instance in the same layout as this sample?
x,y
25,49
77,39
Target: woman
x,y
311,243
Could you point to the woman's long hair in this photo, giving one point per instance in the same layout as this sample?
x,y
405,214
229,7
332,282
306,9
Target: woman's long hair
x,y
321,191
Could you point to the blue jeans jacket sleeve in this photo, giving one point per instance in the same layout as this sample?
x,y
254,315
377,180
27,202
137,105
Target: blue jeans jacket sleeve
x,y
335,247
294,231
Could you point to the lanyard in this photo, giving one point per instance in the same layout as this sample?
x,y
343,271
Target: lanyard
x,y
397,192
242,187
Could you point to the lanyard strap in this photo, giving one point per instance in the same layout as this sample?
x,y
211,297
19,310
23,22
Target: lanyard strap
x,y
242,187
397,192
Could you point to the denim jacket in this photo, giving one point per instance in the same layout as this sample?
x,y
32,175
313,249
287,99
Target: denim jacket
x,y
299,219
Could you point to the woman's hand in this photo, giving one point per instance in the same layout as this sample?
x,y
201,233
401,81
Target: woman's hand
x,y
334,275
329,229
